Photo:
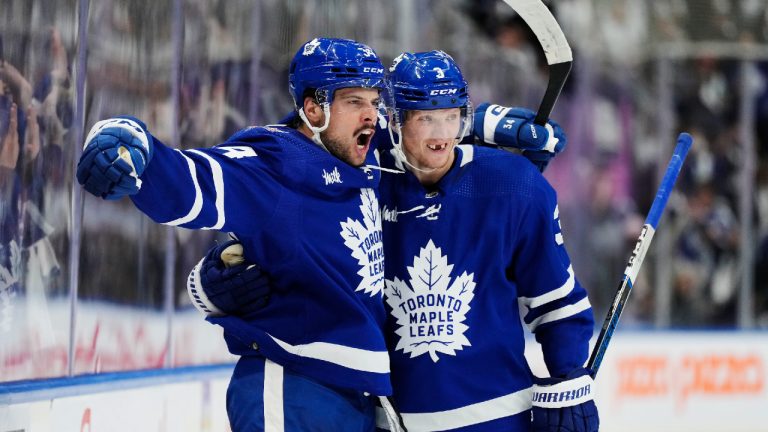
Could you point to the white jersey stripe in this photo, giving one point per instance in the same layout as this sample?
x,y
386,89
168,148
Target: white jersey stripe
x,y
555,294
558,314
342,355
274,417
504,406
198,204
218,184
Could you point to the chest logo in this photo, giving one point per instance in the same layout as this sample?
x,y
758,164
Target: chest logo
x,y
363,238
430,308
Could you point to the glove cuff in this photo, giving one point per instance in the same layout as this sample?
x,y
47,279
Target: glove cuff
x,y
552,140
564,394
132,125
197,294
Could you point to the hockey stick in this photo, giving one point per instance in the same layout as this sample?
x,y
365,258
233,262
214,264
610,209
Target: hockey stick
x,y
684,142
556,48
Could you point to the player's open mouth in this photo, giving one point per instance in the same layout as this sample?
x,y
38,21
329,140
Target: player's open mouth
x,y
364,138
437,147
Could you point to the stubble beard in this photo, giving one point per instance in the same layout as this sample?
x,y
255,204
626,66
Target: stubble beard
x,y
336,148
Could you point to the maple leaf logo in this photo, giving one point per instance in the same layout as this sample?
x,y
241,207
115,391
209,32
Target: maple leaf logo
x,y
431,309
364,240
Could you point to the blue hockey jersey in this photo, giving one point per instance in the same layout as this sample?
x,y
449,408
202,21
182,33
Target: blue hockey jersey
x,y
463,260
313,223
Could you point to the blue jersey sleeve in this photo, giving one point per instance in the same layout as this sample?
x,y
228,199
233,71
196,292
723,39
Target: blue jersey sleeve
x,y
558,310
230,187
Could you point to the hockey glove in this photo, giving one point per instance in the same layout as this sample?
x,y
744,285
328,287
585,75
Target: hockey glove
x,y
514,128
222,284
115,154
564,404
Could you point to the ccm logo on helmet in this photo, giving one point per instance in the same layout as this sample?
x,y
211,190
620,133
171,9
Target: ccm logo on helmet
x,y
443,92
373,70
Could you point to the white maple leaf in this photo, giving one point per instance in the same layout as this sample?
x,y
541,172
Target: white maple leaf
x,y
364,240
431,310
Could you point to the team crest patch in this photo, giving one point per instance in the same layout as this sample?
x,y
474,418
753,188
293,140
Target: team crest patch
x,y
430,308
364,240
310,47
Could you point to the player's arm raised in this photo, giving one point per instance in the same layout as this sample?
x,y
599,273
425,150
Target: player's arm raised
x,y
174,187
115,154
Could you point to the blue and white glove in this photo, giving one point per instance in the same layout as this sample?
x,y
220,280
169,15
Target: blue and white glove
x,y
115,154
514,127
222,284
564,404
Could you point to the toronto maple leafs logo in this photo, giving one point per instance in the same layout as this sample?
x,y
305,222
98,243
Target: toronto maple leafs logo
x,y
364,240
432,309
396,62
310,47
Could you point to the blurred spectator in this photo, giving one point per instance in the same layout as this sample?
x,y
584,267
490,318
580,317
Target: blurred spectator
x,y
706,265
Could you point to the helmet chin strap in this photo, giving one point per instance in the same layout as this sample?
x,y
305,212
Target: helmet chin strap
x,y
317,130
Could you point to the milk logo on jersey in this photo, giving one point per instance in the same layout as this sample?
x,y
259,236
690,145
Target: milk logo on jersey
x,y
364,240
430,308
430,213
333,177
310,47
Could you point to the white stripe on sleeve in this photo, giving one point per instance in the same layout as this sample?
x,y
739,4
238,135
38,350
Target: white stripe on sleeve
x,y
555,294
563,312
198,204
218,184
342,355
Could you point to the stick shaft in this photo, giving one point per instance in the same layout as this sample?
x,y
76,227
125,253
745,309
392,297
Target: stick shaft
x,y
684,142
555,46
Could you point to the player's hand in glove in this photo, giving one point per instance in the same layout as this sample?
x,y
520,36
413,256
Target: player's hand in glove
x,y
564,404
115,154
223,284
514,127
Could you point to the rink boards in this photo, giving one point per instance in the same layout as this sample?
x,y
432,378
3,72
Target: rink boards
x,y
695,381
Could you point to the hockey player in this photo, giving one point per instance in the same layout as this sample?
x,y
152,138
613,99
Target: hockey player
x,y
304,204
470,233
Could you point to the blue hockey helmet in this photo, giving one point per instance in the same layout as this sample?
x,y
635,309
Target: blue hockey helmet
x,y
328,64
427,81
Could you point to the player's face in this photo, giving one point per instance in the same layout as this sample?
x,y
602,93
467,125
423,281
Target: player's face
x,y
429,136
354,113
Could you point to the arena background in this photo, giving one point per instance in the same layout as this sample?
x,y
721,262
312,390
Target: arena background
x,y
93,292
